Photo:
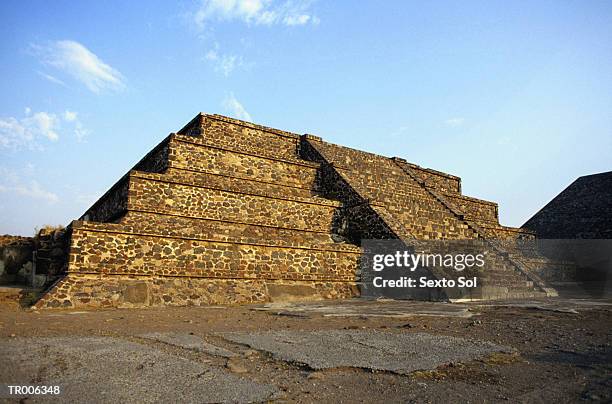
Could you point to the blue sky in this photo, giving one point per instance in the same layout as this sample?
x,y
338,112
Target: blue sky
x,y
514,97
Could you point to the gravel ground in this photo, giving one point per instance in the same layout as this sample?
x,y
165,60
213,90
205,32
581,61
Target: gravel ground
x,y
400,353
109,369
346,351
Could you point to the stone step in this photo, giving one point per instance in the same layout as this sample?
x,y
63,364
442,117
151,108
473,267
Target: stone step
x,y
148,194
243,183
209,158
110,249
227,134
516,283
176,226
496,279
508,274
504,293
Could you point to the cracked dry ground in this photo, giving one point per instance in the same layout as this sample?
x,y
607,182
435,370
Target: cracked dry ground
x,y
422,352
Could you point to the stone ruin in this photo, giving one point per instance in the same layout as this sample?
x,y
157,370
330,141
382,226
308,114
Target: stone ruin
x,y
33,261
228,212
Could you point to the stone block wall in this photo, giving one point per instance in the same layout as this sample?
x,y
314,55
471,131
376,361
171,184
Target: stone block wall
x,y
111,249
499,232
95,291
154,193
227,133
220,206
445,183
197,156
206,229
481,211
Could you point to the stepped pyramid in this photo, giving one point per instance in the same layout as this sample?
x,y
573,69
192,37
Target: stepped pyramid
x,y
226,211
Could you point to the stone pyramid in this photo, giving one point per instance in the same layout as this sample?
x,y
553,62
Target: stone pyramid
x,y
227,212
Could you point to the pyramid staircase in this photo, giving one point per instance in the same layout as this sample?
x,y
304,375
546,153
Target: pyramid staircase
x,y
418,204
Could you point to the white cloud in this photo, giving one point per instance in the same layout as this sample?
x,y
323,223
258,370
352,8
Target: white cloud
x,y
13,134
34,190
235,108
455,122
224,64
296,19
52,79
13,182
79,130
257,12
44,124
70,116
212,55
83,65
28,131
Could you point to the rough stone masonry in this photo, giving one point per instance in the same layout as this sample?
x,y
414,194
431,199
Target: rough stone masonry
x,y
229,212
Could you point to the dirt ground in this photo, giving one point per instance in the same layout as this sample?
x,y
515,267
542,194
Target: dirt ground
x,y
553,350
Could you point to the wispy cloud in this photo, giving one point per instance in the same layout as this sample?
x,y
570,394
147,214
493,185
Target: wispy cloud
x,y
29,131
34,190
250,12
235,108
70,116
256,12
79,130
43,123
82,64
222,63
51,78
13,181
455,122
